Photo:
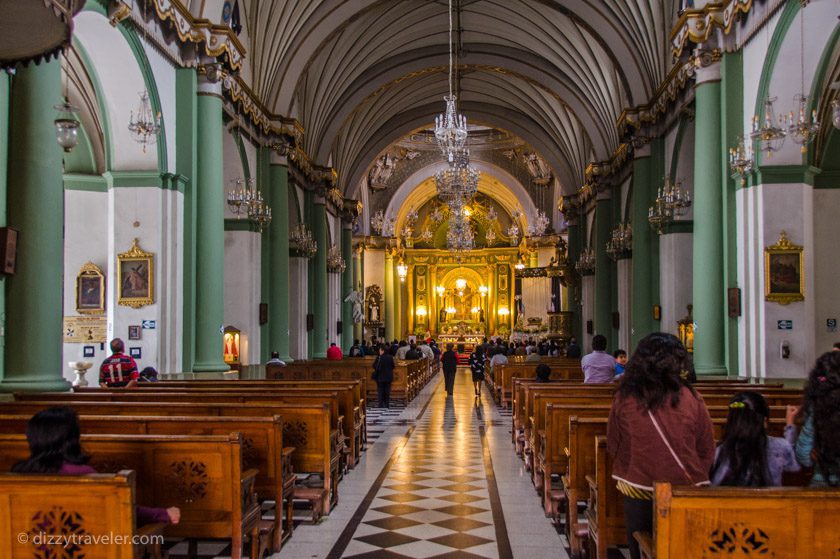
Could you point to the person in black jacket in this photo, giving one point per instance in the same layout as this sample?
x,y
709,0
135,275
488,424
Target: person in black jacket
x,y
449,362
383,374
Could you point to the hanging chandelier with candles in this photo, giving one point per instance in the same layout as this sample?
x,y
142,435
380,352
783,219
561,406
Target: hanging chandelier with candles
x,y
335,261
741,159
586,262
672,201
145,124
245,200
770,136
302,241
620,244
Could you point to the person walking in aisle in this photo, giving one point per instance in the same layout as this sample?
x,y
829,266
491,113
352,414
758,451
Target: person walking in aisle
x,y
383,374
477,368
449,362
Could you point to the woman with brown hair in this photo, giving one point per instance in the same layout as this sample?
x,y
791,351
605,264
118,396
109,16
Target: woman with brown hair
x,y
659,430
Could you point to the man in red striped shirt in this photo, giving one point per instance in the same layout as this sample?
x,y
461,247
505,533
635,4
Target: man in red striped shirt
x,y
119,370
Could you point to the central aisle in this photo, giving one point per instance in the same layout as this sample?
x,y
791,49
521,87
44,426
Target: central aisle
x,y
438,495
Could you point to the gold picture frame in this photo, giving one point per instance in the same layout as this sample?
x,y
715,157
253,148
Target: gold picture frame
x,y
135,277
784,272
90,290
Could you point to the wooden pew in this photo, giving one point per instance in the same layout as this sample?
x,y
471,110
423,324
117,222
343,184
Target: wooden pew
x,y
506,372
96,505
605,507
262,449
202,475
308,428
349,394
695,523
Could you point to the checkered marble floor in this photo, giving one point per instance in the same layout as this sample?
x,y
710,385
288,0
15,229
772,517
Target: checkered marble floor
x,y
435,500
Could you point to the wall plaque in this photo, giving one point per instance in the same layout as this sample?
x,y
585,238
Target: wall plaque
x,y
85,329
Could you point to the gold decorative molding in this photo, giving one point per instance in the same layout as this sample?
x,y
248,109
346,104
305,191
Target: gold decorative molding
x,y
697,24
217,40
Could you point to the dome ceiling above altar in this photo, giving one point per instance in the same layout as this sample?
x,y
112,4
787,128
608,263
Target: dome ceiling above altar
x,y
361,75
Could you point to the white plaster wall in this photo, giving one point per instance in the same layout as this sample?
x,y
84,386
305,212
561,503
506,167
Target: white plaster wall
x,y
153,216
749,207
243,290
333,309
122,81
754,54
826,266
374,268
789,207
298,283
85,240
164,73
685,166
675,278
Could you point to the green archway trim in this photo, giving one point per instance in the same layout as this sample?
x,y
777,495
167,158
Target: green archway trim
x,y
816,95
136,46
243,155
791,9
682,126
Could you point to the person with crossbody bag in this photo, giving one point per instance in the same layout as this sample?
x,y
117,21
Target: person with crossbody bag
x,y
659,430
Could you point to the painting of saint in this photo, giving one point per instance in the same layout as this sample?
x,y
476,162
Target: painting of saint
x,y
784,273
135,279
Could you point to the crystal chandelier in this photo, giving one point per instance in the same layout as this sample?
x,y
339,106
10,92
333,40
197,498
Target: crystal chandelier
x,y
451,127
426,235
335,262
382,225
145,125
741,159
490,236
247,201
802,130
672,200
513,233
620,244
586,262
659,215
302,241
539,226
402,270
770,137
460,237
457,182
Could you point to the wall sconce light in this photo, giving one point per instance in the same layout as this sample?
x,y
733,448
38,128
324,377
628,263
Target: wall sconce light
x,y
460,283
451,310
402,270
520,265
482,289
440,290
421,311
475,310
503,311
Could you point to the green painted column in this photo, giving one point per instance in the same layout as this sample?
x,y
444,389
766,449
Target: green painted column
x,y
347,325
603,268
210,231
319,278
641,314
4,158
708,299
36,202
278,233
186,145
388,312
358,284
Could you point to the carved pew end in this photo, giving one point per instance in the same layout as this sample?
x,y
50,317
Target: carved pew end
x,y
645,544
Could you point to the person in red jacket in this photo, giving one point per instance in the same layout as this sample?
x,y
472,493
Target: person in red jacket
x,y
334,353
659,430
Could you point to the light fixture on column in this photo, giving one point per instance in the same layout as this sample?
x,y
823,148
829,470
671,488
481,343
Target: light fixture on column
x,y
802,130
671,200
771,136
586,262
335,261
302,241
440,290
741,159
66,126
659,215
620,244
520,264
540,224
402,270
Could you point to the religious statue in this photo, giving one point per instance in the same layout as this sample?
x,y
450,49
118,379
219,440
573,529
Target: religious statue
x,y
356,298
374,313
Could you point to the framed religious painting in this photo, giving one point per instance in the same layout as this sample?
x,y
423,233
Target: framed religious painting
x,y
784,272
90,290
135,277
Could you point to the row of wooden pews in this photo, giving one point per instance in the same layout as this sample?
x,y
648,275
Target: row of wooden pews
x,y
218,448
501,379
559,429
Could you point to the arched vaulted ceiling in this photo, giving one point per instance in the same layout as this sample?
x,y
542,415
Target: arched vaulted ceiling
x,y
360,74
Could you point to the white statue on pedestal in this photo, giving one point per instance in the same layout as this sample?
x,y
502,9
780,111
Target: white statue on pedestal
x,y
357,298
